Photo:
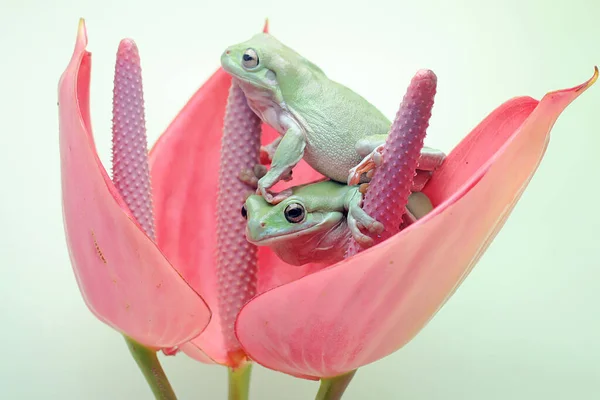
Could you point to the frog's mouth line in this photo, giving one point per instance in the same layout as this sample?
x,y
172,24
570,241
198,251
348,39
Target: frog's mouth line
x,y
272,239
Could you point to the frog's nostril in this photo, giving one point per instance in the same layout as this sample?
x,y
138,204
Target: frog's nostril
x,y
227,51
262,224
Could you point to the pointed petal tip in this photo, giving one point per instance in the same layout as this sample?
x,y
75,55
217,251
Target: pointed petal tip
x,y
82,40
580,88
266,26
589,82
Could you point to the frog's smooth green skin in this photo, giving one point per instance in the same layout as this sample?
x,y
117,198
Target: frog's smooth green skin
x,y
330,126
314,223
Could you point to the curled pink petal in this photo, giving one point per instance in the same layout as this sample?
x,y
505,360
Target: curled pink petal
x,y
124,278
366,307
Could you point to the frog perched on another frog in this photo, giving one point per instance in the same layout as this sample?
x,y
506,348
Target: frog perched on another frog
x,y
335,130
316,220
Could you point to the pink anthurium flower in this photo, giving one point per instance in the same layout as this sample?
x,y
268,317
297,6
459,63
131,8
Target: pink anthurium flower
x,y
319,322
124,277
368,306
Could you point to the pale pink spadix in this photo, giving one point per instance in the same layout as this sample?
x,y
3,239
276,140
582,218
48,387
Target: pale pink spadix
x,y
387,195
131,174
236,258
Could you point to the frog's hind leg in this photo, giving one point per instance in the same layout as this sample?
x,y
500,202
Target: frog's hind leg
x,y
418,206
430,159
372,151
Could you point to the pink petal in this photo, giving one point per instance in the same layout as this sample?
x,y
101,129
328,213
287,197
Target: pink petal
x,y
183,165
124,278
366,307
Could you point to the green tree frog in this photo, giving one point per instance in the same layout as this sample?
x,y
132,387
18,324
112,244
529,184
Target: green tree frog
x,y
337,132
315,221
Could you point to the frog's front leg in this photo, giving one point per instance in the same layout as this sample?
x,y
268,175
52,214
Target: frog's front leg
x,y
251,176
372,147
289,153
358,219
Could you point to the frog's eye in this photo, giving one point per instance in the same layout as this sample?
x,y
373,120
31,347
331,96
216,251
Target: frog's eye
x,y
244,212
250,59
294,213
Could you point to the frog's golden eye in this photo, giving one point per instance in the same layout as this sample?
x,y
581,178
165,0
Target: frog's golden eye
x,y
250,59
294,213
244,212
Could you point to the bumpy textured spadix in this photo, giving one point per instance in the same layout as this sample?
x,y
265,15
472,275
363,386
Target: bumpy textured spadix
x,y
236,257
389,189
130,147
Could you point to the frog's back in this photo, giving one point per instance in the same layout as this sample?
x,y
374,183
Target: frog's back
x,y
335,119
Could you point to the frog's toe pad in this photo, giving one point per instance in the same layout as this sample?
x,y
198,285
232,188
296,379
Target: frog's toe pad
x,y
248,177
361,238
367,165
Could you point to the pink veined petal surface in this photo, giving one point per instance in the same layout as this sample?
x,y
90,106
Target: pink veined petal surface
x,y
184,166
124,278
366,307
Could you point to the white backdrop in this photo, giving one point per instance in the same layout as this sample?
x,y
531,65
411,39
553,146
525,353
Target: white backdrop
x,y
524,325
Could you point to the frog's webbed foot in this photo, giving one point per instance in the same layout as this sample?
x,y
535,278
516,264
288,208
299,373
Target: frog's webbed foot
x,y
250,176
429,160
367,165
274,198
358,220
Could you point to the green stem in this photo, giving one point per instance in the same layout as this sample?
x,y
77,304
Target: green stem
x,y
148,363
333,388
239,382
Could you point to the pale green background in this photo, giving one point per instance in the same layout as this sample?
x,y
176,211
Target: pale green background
x,y
524,325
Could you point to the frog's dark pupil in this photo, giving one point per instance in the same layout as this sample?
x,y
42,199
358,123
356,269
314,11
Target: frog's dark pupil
x,y
294,213
244,212
248,57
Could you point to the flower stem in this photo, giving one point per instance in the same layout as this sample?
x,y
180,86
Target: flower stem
x,y
333,388
239,382
148,363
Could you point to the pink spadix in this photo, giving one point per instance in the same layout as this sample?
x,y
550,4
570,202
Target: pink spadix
x,y
236,258
130,146
388,191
